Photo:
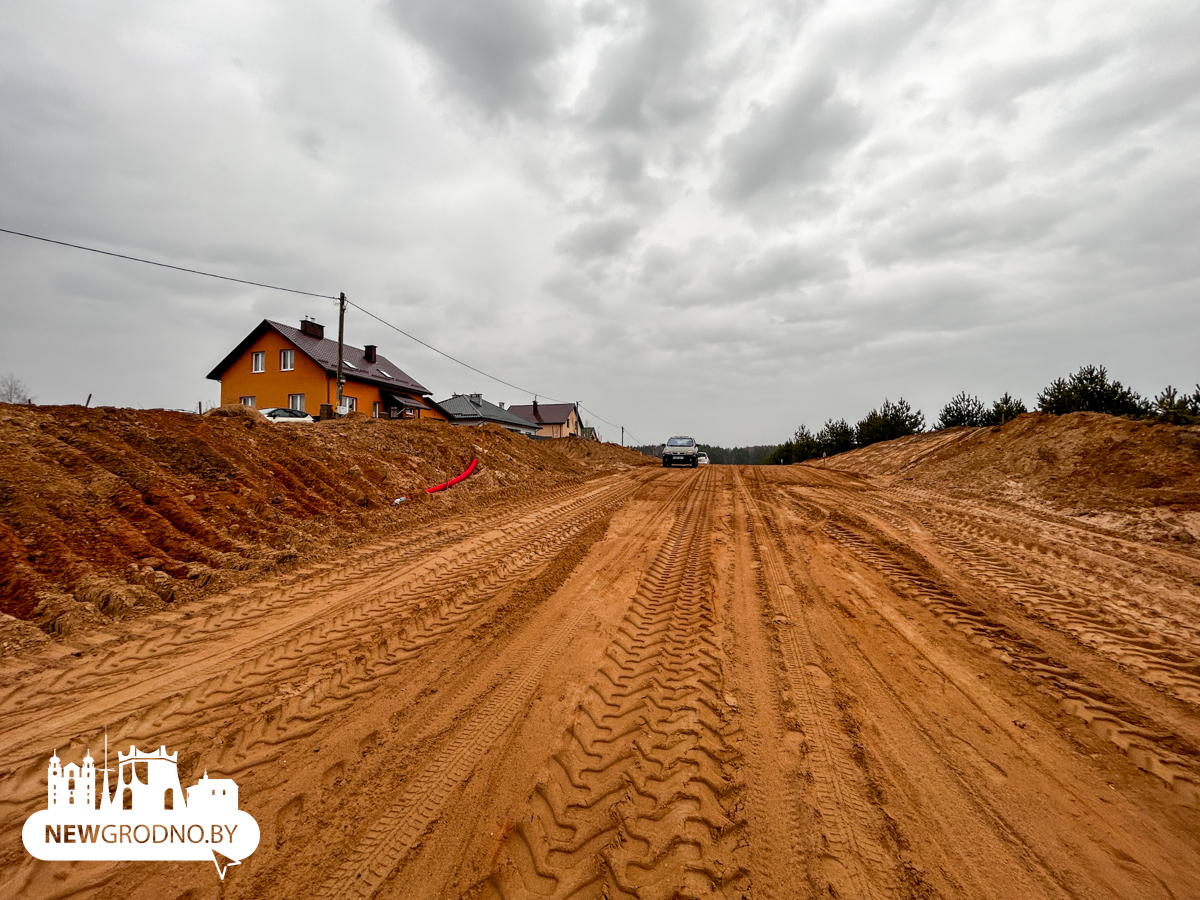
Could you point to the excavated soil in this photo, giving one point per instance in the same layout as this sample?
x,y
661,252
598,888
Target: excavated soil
x,y
794,682
106,513
1134,476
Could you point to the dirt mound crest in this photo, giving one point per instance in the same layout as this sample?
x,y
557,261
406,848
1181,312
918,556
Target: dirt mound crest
x,y
107,510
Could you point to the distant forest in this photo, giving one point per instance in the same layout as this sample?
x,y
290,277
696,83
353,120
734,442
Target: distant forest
x,y
738,456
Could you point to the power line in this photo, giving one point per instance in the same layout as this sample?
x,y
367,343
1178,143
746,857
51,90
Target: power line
x,y
467,365
163,265
447,355
383,321
628,433
275,287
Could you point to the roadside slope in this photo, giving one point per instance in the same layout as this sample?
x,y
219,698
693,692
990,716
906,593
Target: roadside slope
x,y
106,510
1119,472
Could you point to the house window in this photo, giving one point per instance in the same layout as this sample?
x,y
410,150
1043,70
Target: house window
x,y
287,361
258,361
351,403
246,401
296,401
374,409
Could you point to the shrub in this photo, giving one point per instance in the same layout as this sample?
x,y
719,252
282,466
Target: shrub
x,y
1004,410
962,410
802,446
1089,390
890,421
835,437
1177,409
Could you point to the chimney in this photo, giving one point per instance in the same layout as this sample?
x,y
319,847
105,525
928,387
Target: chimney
x,y
369,352
477,399
501,404
309,327
535,412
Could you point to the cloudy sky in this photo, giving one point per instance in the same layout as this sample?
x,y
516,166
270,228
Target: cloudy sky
x,y
722,219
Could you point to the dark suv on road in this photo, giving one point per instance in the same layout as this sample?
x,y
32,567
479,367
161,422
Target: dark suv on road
x,y
680,451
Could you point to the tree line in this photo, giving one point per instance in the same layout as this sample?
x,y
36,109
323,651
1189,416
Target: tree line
x,y
738,456
1088,390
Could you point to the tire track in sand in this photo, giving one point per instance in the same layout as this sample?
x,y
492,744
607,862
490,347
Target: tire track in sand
x,y
1149,747
642,799
374,579
1134,629
401,827
299,677
855,861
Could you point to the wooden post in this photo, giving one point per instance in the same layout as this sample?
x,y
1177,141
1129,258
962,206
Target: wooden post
x,y
341,379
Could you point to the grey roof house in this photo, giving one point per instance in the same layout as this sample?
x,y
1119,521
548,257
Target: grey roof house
x,y
472,409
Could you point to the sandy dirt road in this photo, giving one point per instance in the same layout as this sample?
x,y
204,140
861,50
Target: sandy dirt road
x,y
760,682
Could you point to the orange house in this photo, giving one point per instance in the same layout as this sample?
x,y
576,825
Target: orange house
x,y
277,365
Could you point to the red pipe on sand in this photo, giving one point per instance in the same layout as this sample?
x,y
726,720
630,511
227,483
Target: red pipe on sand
x,y
453,481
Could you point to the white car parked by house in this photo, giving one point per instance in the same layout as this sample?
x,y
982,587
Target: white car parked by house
x,y
283,414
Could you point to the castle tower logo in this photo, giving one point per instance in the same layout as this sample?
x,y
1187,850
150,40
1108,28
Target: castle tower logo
x,y
147,816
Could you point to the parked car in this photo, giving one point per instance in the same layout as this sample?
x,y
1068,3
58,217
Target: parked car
x,y
680,450
283,414
702,458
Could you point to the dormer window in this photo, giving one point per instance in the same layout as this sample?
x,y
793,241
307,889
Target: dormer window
x,y
287,360
258,361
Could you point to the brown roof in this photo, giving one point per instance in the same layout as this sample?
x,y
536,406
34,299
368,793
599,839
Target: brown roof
x,y
323,352
547,414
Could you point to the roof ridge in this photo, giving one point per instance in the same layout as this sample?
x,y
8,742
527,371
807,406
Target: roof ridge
x,y
323,351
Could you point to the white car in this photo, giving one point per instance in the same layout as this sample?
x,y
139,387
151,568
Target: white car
x,y
283,414
679,450
702,458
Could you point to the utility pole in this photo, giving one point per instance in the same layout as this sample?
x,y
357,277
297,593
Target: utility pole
x,y
622,435
341,330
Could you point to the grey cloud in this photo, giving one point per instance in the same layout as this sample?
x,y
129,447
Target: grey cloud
x,y
656,75
781,268
1130,105
577,289
598,12
789,283
936,230
995,228
624,165
1146,231
870,43
33,96
995,89
598,239
791,143
491,51
987,169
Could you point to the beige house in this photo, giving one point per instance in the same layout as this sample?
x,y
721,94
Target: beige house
x,y
554,420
